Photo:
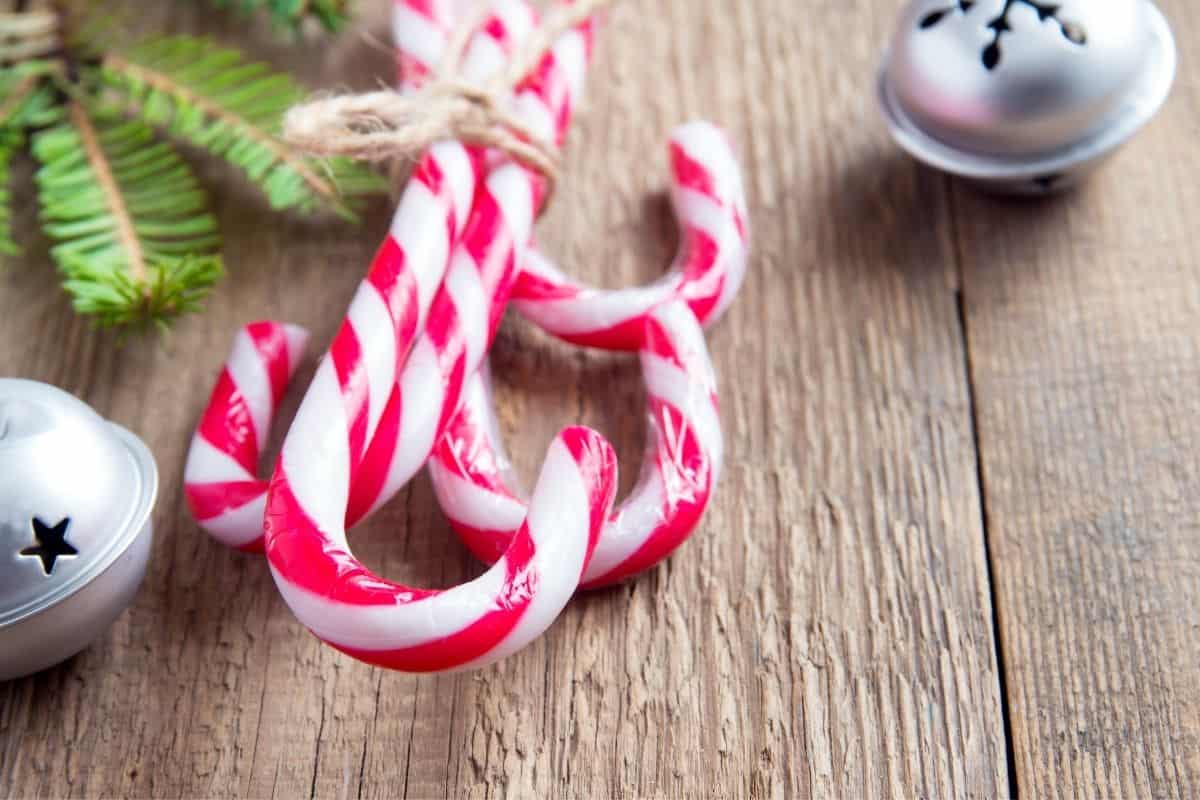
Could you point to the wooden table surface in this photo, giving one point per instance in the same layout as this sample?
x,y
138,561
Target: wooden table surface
x,y
955,551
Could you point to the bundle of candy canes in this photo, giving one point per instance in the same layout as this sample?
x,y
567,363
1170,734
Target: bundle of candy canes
x,y
405,383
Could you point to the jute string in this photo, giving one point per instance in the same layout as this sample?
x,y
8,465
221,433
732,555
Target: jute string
x,y
382,125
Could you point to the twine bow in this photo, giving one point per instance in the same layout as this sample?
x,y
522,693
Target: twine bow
x,y
381,125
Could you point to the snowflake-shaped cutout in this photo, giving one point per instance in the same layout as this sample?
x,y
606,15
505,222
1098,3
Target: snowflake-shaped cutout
x,y
999,25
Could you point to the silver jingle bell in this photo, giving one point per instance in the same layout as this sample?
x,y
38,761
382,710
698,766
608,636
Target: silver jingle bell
x,y
75,499
1024,96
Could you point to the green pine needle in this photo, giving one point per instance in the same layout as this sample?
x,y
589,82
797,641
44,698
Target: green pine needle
x,y
9,142
331,14
171,287
132,234
215,99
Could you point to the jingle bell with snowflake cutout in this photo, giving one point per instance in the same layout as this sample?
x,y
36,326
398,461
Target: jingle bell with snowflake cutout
x,y
1024,96
75,499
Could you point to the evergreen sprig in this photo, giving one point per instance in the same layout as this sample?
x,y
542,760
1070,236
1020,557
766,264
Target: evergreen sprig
x,y
134,239
215,99
129,223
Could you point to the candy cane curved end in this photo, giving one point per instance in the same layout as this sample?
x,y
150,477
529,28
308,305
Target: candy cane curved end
x,y
221,483
710,205
470,625
475,487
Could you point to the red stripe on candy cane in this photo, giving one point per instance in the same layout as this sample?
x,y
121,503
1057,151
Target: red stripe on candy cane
x,y
212,499
352,377
271,341
420,28
226,423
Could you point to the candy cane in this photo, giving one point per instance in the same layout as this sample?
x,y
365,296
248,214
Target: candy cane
x,y
376,478
710,204
319,474
420,29
388,311
220,483
475,486
470,471
479,281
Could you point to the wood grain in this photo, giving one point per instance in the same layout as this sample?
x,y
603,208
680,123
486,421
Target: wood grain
x,y
828,632
1084,342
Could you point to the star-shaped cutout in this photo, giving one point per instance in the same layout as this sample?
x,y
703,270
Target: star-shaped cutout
x,y
52,543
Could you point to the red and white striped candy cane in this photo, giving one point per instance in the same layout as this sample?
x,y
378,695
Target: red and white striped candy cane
x,y
384,318
401,421
476,488
313,491
220,480
479,281
470,471
710,204
421,30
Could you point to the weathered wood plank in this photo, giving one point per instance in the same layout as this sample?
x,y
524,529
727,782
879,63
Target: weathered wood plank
x,y
1082,318
827,633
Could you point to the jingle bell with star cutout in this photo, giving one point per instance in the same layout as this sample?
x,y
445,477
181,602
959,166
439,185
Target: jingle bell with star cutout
x,y
76,494
1024,96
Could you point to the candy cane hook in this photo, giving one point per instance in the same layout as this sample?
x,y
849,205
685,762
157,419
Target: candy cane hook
x,y
471,474
710,205
220,480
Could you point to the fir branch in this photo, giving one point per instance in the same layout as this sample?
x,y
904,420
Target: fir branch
x,y
186,97
213,98
133,236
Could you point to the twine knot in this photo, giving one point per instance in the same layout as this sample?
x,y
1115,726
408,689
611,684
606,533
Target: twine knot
x,y
387,124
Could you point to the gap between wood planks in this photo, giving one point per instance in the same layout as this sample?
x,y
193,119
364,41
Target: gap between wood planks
x,y
960,301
